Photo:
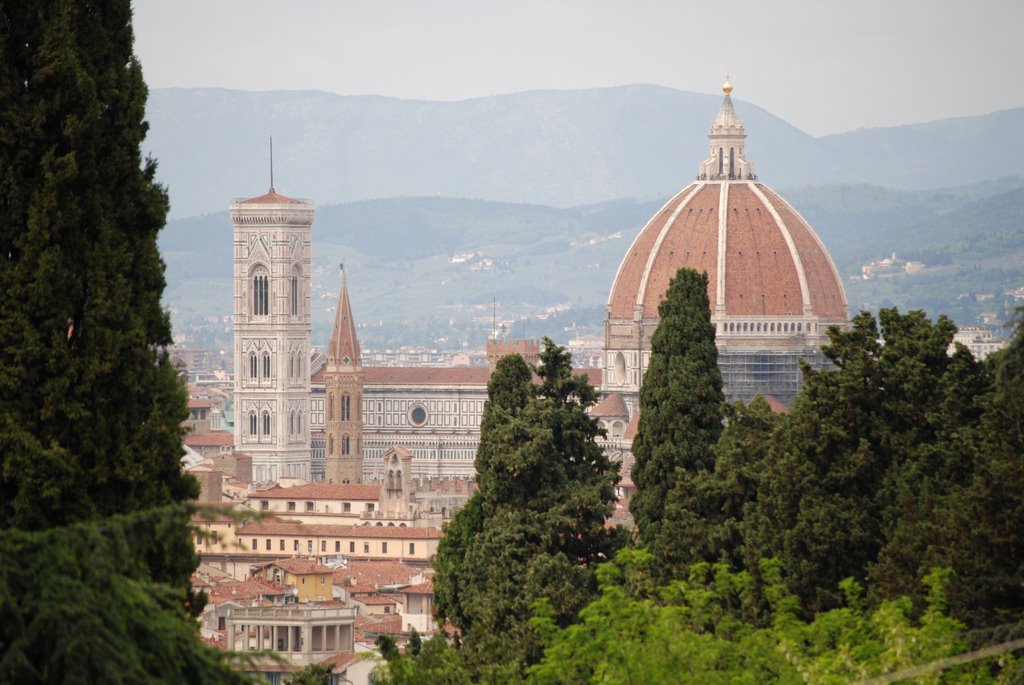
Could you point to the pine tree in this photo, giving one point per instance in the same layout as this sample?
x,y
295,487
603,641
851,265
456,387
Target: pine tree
x,y
681,409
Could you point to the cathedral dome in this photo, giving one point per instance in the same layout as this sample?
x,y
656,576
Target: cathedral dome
x,y
773,289
761,257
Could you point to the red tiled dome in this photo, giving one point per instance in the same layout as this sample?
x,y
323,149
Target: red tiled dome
x,y
761,257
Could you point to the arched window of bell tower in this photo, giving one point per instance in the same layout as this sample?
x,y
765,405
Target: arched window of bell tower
x,y
260,292
346,406
330,407
344,445
296,274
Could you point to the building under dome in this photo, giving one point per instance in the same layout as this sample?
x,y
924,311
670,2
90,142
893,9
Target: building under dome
x,y
772,286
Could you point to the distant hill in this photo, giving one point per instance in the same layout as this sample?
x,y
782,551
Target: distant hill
x,y
423,269
556,148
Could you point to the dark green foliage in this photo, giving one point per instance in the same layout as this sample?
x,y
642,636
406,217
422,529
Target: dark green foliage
x,y
79,606
314,674
718,498
681,404
902,460
536,527
95,551
90,408
436,663
451,574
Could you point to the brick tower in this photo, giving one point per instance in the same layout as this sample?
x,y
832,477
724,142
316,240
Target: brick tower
x,y
343,385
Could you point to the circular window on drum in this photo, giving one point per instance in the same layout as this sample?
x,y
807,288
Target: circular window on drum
x,y
417,415
620,368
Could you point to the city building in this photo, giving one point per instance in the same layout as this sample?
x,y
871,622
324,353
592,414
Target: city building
x,y
271,333
980,341
772,286
343,390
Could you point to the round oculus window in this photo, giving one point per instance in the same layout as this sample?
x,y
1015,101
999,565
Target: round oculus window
x,y
345,359
417,415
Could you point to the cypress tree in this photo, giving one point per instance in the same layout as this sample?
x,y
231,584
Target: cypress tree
x,y
681,409
536,527
95,551
90,407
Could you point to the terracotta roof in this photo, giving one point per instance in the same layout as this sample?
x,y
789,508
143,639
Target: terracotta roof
x,y
194,403
299,566
211,439
611,404
341,661
272,197
216,642
332,491
593,375
386,624
762,274
239,591
204,517
344,343
426,588
370,576
426,375
378,600
299,529
776,404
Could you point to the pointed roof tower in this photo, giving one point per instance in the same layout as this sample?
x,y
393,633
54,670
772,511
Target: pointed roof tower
x,y
344,348
727,160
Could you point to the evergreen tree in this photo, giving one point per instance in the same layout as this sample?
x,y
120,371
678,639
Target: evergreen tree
x,y
681,405
536,527
902,460
90,407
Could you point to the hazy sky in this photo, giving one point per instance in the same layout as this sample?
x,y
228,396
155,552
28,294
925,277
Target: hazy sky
x,y
824,66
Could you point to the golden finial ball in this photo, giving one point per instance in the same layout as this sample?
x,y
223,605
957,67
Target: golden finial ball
x,y
726,87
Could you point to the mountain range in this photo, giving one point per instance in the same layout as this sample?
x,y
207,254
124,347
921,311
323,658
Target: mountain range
x,y
556,148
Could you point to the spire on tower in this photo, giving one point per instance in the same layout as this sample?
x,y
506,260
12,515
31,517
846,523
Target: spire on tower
x,y
272,164
344,347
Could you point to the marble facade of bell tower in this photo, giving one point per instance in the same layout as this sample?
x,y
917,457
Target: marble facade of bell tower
x,y
272,235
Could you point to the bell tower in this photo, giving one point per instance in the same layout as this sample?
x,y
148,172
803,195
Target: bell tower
x,y
271,337
343,385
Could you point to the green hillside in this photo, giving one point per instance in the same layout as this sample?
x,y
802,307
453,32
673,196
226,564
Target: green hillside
x,y
433,270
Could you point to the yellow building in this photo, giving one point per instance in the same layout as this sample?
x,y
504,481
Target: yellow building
x,y
278,538
346,499
313,582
